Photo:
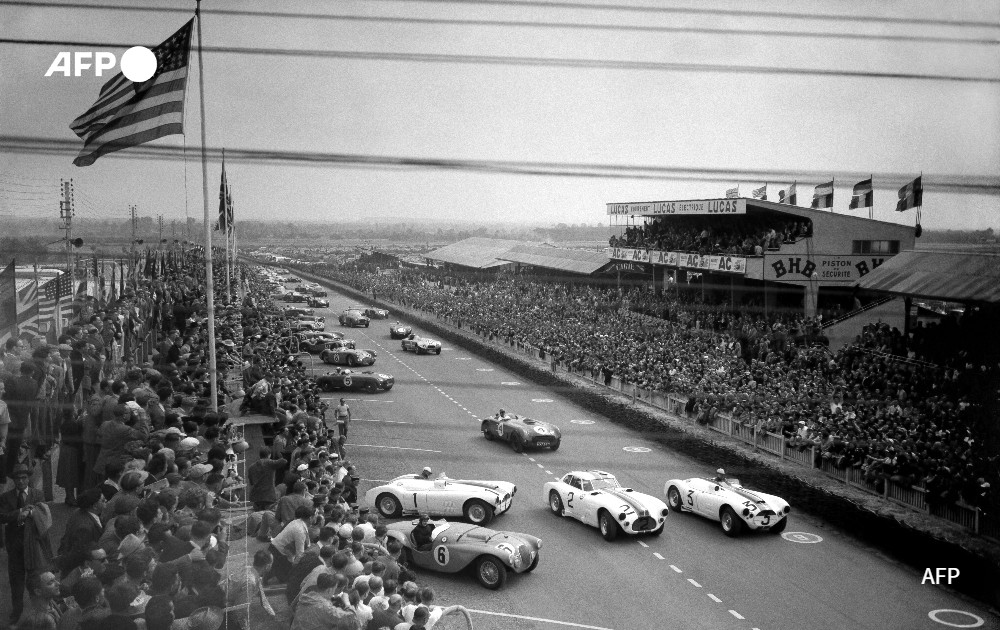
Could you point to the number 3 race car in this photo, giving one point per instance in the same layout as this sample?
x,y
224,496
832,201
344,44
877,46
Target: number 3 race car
x,y
595,498
348,356
355,381
457,546
726,501
476,501
521,432
421,345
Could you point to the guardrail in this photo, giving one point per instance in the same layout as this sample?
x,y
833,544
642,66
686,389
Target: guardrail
x,y
773,443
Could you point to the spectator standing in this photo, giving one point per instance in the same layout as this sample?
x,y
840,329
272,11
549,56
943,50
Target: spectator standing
x,y
21,537
342,413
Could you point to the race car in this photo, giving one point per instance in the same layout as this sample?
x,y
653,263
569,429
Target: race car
x,y
317,302
318,292
400,331
594,497
521,432
458,546
347,356
374,313
295,296
294,311
293,280
421,345
350,380
318,342
476,501
353,317
724,500
308,323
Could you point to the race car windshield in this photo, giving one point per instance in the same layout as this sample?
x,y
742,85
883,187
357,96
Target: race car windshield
x,y
602,484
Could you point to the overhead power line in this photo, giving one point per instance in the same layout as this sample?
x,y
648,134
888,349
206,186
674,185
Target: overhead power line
x,y
491,60
988,185
546,4
497,23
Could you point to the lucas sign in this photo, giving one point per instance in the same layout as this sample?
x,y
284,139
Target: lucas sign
x,y
701,206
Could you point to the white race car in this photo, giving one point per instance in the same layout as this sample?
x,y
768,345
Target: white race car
x,y
726,501
596,498
476,501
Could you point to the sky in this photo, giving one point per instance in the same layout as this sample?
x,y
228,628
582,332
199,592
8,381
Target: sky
x,y
841,100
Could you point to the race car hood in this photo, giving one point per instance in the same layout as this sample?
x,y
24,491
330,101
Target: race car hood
x,y
751,496
629,498
530,425
493,486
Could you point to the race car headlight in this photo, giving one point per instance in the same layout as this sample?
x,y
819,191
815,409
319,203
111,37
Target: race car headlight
x,y
746,511
663,512
787,509
621,517
538,545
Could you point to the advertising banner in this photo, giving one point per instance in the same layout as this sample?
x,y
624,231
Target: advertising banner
x,y
656,208
847,268
624,253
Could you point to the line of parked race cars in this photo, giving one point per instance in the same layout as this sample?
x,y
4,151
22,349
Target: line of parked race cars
x,y
593,497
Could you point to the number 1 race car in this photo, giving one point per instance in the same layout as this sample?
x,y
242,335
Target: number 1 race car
x,y
476,501
399,331
729,503
457,546
595,498
347,356
521,432
367,381
421,345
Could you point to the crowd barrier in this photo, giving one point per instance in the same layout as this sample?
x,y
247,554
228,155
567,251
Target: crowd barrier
x,y
913,497
773,443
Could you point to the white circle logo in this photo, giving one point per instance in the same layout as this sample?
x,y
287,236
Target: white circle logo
x,y
138,64
636,449
802,537
977,621
582,421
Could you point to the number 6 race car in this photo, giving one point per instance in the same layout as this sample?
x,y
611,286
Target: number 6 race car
x,y
521,432
457,546
476,501
595,498
726,501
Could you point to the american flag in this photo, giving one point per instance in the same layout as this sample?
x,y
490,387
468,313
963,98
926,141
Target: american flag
x,y
733,193
53,290
127,114
760,193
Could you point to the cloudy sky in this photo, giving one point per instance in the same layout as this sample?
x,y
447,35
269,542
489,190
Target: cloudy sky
x,y
668,100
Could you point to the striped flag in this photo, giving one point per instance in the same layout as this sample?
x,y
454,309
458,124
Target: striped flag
x,y
792,197
733,193
52,291
27,309
910,196
863,195
8,299
128,114
823,195
760,193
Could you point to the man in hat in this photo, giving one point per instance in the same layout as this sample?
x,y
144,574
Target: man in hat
x,y
423,533
15,512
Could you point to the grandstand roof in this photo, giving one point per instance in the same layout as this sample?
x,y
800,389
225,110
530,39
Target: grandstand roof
x,y
475,252
951,276
572,260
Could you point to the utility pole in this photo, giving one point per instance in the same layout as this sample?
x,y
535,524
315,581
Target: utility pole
x,y
66,212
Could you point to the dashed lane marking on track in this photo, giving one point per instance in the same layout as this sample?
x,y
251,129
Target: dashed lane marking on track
x,y
358,399
636,449
736,614
540,466
541,400
714,598
658,556
674,567
548,472
693,583
531,459
582,421
642,544
510,383
386,421
484,369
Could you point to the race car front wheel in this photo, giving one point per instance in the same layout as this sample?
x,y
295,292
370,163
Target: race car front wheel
x,y
388,505
674,499
555,503
490,572
486,432
517,443
555,445
731,524
438,351
609,527
478,512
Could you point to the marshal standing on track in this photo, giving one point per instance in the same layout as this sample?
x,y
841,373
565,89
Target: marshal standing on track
x,y
343,415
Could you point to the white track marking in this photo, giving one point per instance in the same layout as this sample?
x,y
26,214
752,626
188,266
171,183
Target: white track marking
x,y
398,448
388,421
693,583
642,544
540,466
659,556
714,598
554,621
548,472
531,459
736,614
675,568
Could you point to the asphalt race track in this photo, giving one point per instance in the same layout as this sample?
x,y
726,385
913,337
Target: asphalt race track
x,y
692,576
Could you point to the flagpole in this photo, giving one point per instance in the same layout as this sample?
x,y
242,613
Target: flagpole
x,y
871,208
209,285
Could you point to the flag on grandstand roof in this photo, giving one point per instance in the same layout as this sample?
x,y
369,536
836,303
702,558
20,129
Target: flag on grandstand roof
x,y
910,196
8,299
760,193
733,193
128,114
823,195
791,198
863,195
225,200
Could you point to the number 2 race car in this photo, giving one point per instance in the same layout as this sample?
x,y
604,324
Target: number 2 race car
x,y
476,501
726,501
367,381
521,432
457,546
595,498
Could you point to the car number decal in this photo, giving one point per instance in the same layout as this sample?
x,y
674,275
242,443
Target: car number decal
x,y
500,429
336,356
569,499
690,497
441,555
347,381
449,504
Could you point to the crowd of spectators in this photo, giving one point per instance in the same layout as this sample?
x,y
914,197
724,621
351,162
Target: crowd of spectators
x,y
737,236
157,498
915,423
